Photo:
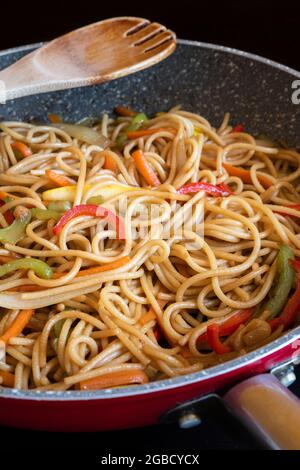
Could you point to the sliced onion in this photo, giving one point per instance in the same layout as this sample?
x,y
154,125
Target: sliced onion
x,y
16,301
84,133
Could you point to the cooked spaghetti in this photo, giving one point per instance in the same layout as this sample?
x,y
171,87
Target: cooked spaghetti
x,y
88,301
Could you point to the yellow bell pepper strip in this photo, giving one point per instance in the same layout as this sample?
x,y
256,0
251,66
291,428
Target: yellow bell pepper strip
x,y
144,168
45,214
59,206
216,190
292,307
94,211
22,149
68,193
41,268
16,231
213,339
284,284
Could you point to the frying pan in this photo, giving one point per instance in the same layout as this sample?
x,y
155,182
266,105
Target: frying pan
x,y
210,80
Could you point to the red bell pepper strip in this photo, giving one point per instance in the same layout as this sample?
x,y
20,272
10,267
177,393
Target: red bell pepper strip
x,y
213,338
231,325
216,190
296,264
8,215
238,128
290,206
94,211
290,311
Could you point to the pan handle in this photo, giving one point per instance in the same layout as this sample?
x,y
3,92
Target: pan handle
x,y
268,409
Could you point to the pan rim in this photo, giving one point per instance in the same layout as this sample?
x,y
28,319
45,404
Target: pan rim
x,y
179,381
160,385
186,42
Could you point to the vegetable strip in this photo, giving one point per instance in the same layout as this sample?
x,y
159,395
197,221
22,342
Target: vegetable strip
x,y
115,379
245,175
144,168
17,326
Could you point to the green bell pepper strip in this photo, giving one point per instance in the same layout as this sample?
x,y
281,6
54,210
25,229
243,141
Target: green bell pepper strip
x,y
45,214
135,124
16,231
41,268
284,284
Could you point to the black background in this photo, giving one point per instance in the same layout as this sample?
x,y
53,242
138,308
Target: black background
x,y
263,27
269,28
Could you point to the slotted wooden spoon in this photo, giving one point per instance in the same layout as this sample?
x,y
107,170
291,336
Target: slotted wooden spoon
x,y
96,53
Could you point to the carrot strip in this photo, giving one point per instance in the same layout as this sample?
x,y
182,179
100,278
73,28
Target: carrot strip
x,y
22,148
3,195
115,379
84,272
97,269
58,180
110,164
54,118
8,379
146,132
5,259
26,288
123,111
246,176
17,326
145,169
150,315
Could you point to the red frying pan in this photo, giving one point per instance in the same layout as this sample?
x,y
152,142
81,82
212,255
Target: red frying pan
x,y
210,80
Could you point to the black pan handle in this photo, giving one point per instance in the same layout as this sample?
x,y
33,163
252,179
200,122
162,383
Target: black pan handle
x,y
268,409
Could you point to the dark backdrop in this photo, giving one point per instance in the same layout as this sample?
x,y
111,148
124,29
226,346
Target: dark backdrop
x,y
266,28
269,28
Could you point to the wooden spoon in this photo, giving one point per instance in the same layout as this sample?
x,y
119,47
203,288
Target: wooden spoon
x,y
96,53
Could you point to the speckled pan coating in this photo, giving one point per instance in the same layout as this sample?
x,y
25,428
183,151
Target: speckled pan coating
x,y
201,77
